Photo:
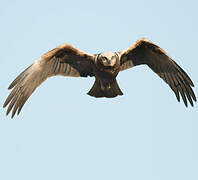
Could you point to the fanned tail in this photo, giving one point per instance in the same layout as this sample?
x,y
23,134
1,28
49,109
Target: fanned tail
x,y
107,89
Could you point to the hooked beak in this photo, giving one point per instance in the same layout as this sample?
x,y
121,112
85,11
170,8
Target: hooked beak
x,y
108,61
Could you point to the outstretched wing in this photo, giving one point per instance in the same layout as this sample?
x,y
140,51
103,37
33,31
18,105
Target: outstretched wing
x,y
64,60
145,52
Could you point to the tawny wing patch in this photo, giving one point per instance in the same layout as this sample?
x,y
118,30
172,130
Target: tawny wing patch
x,y
64,60
145,52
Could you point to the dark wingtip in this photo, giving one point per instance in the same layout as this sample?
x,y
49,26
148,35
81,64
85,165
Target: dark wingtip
x,y
7,113
195,99
191,103
4,105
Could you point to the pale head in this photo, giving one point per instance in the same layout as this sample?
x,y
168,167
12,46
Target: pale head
x,y
108,58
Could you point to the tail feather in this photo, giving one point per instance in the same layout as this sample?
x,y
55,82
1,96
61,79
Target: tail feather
x,y
109,90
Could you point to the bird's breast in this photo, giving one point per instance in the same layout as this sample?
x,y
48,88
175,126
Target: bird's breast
x,y
106,72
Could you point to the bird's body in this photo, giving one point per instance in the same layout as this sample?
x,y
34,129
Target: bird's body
x,y
65,60
106,68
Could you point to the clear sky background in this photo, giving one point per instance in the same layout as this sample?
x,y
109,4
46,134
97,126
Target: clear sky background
x,y
62,133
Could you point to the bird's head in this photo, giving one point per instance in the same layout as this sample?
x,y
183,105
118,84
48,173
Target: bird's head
x,y
108,59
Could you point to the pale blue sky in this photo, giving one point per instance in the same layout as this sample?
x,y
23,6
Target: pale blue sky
x,y
62,133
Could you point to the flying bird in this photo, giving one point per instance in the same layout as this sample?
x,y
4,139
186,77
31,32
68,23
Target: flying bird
x,y
66,60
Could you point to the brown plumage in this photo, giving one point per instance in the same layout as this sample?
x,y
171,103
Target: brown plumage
x,y
66,60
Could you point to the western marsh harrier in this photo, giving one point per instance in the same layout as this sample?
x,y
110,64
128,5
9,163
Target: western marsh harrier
x,y
66,60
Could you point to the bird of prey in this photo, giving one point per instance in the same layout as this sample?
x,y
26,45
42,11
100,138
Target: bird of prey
x,y
66,60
